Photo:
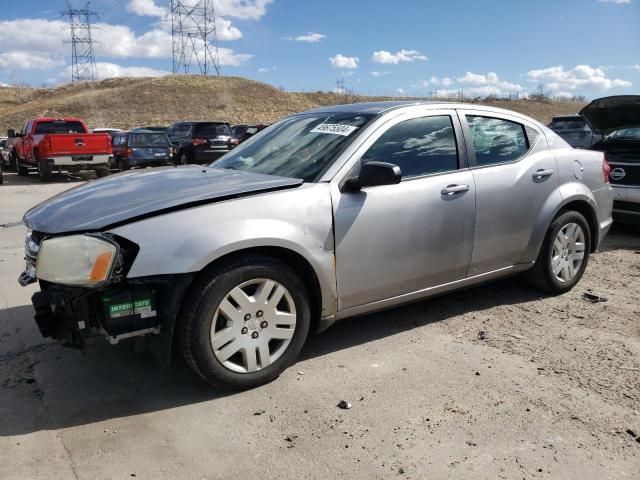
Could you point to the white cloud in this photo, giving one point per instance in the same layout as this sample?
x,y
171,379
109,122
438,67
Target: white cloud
x,y
382,56
401,91
483,85
38,44
266,69
379,74
243,9
582,77
311,37
29,61
444,81
617,2
146,8
340,61
112,70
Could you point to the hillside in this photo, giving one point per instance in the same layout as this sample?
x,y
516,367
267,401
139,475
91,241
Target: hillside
x,y
131,102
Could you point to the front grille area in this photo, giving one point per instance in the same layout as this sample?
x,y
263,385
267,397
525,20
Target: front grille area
x,y
631,174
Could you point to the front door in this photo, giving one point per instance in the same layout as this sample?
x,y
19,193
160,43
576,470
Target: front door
x,y
397,239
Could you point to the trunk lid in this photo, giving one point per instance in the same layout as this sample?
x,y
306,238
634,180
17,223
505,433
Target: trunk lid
x,y
79,143
608,114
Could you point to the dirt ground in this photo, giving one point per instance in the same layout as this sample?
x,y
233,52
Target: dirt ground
x,y
497,381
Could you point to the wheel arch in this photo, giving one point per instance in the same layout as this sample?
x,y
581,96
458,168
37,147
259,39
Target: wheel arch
x,y
300,265
587,210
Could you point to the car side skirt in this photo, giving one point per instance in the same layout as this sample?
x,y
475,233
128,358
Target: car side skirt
x,y
432,291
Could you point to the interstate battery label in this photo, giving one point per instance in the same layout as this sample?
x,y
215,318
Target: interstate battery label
x,y
334,129
142,307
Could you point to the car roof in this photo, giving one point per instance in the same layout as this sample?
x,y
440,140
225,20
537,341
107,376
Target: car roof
x,y
376,108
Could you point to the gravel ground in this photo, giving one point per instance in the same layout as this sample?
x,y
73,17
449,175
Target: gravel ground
x,y
492,382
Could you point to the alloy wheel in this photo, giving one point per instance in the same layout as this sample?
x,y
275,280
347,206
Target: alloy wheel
x,y
568,252
253,325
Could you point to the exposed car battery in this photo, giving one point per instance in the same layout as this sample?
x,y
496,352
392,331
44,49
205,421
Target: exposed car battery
x,y
129,311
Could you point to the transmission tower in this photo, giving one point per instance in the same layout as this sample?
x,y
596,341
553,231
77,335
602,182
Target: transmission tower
x,y
83,62
193,33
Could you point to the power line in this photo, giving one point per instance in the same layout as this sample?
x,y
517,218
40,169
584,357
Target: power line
x,y
194,38
83,62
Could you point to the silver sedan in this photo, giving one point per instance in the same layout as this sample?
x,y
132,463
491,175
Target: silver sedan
x,y
327,214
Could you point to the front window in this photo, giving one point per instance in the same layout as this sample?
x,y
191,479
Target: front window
x,y
304,146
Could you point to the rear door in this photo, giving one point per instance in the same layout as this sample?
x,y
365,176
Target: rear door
x,y
515,174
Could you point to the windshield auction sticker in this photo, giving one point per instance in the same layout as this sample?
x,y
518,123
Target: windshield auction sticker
x,y
335,129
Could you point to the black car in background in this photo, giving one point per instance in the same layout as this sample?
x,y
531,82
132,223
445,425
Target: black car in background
x,y
141,148
154,128
574,130
617,118
200,142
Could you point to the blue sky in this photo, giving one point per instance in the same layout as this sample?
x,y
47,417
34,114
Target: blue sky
x,y
570,47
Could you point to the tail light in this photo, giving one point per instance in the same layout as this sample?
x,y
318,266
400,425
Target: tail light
x,y
128,152
606,170
198,141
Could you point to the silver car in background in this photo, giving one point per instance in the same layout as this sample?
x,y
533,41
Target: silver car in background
x,y
325,215
574,130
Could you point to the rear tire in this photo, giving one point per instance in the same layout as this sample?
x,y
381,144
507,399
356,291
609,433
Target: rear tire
x,y
123,165
564,255
102,172
44,171
240,346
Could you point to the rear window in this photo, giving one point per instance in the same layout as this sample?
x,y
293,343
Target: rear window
x,y
148,140
59,126
211,129
567,123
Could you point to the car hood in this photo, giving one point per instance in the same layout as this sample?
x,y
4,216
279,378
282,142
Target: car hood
x,y
128,197
606,115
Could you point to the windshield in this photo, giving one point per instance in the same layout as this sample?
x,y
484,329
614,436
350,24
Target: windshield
x,y
203,130
626,133
304,146
154,140
59,126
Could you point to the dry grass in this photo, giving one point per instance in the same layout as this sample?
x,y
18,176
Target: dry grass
x,y
131,102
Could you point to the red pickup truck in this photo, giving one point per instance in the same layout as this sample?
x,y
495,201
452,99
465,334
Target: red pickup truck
x,y
49,144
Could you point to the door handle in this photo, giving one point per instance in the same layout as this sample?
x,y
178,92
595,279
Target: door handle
x,y
453,189
542,173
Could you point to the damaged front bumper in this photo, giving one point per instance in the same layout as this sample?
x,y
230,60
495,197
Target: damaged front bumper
x,y
144,307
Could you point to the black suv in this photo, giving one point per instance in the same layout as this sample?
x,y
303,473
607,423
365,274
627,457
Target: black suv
x,y
200,142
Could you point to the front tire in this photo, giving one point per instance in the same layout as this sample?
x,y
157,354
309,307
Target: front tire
x,y
564,255
244,323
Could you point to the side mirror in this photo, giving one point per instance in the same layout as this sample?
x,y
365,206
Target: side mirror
x,y
373,174
11,133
